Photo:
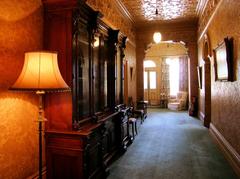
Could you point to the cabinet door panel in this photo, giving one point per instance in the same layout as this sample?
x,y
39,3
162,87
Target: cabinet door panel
x,y
70,165
81,70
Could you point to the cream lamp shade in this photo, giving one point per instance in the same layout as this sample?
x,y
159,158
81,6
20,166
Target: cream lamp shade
x,y
40,72
157,37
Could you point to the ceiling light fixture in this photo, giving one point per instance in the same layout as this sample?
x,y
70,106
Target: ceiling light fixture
x,y
157,37
156,12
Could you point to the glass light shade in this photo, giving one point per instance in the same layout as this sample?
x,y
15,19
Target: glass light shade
x,y
40,72
157,37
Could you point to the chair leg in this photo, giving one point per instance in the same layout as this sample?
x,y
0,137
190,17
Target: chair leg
x,y
136,127
133,130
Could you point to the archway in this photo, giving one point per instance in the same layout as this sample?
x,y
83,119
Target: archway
x,y
169,75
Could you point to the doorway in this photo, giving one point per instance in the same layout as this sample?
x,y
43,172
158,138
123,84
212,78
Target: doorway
x,y
150,85
165,73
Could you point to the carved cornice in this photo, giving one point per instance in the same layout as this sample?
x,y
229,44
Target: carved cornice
x,y
201,7
113,36
124,10
113,17
207,15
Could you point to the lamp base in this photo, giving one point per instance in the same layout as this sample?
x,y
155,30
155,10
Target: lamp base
x,y
40,121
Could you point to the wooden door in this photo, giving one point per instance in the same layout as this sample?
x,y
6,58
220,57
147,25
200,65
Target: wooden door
x,y
150,86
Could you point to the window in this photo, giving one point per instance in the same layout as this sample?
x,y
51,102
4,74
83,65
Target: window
x,y
150,82
150,77
145,80
173,75
149,64
153,80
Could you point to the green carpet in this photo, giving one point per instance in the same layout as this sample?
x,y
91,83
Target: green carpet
x,y
172,145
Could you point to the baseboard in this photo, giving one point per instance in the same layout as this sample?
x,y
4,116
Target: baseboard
x,y
229,152
36,176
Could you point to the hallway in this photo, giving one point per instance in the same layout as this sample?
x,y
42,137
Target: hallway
x,y
172,145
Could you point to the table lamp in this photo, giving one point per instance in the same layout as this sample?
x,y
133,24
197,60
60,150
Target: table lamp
x,y
40,74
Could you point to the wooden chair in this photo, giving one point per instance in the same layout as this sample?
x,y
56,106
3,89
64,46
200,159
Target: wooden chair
x,y
139,112
133,122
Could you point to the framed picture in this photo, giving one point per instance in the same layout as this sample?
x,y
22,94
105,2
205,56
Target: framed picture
x,y
223,60
199,71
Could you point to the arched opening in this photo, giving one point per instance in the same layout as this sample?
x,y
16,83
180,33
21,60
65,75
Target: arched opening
x,y
165,73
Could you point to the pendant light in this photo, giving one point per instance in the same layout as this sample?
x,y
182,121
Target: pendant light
x,y
157,37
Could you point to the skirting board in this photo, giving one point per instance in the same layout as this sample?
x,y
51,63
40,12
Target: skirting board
x,y
229,152
35,176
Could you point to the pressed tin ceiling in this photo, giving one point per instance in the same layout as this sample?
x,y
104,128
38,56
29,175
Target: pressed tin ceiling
x,y
167,10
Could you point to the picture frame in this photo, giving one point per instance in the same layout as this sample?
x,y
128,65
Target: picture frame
x,y
223,60
199,71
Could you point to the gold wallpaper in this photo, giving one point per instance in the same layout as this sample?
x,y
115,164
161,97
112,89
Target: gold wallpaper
x,y
21,29
113,16
131,60
225,96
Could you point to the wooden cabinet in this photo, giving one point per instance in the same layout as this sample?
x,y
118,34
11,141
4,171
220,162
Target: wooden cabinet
x,y
88,152
125,138
74,155
83,131
94,72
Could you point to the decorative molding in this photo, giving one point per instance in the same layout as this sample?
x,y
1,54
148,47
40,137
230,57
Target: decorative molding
x,y
128,41
201,7
124,10
114,17
131,42
207,16
229,152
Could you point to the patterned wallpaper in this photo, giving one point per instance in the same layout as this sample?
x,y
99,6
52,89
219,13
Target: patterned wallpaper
x,y
113,16
131,58
177,10
21,28
225,96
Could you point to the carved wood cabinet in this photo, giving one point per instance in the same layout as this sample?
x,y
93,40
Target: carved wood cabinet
x,y
85,153
74,154
83,132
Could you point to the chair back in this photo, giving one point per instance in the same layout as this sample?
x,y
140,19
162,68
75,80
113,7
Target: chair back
x,y
182,95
